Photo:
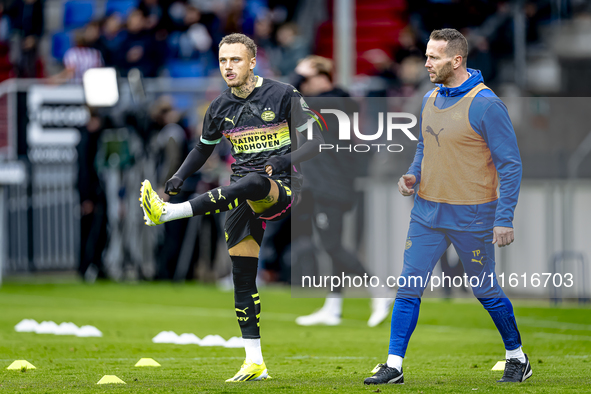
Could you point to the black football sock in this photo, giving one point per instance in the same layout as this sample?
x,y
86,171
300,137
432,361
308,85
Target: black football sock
x,y
246,296
252,187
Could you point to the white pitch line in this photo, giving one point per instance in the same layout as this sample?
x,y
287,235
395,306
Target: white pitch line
x,y
303,357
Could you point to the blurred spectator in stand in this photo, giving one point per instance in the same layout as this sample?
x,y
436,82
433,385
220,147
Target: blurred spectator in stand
x,y
489,24
139,48
175,14
155,24
280,236
81,57
192,41
92,35
282,10
167,147
111,39
535,13
409,45
239,18
407,96
263,33
153,13
27,18
291,49
211,19
385,78
168,139
386,68
5,23
413,83
203,233
330,180
215,172
480,57
498,30
6,67
93,202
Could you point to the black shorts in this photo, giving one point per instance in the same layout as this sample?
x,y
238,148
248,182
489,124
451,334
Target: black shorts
x,y
242,221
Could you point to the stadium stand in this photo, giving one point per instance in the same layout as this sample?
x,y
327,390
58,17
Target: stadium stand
x,y
60,43
123,7
78,13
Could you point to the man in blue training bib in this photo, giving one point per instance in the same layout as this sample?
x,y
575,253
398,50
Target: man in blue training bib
x,y
467,144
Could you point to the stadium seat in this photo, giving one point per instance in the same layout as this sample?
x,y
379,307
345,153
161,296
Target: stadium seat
x,y
60,43
123,7
78,13
186,68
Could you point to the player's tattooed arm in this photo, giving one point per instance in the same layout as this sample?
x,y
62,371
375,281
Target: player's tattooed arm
x,y
244,90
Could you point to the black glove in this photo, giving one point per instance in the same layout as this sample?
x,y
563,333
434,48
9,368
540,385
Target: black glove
x,y
279,163
172,187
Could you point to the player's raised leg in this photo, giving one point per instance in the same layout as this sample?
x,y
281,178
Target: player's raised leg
x,y
253,187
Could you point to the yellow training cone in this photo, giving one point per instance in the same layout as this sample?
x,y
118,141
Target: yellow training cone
x,y
20,364
147,362
499,366
109,379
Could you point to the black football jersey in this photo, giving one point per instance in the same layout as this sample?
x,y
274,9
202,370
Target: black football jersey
x,y
258,126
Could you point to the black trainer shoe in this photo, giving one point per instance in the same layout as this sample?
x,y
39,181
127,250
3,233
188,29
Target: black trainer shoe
x,y
384,374
516,371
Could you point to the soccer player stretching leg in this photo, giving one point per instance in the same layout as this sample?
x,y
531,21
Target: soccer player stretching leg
x,y
467,143
256,116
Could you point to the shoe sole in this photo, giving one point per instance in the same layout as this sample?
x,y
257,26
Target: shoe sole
x,y
148,222
397,380
263,376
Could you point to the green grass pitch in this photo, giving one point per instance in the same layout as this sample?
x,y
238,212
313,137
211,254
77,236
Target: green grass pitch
x,y
452,350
